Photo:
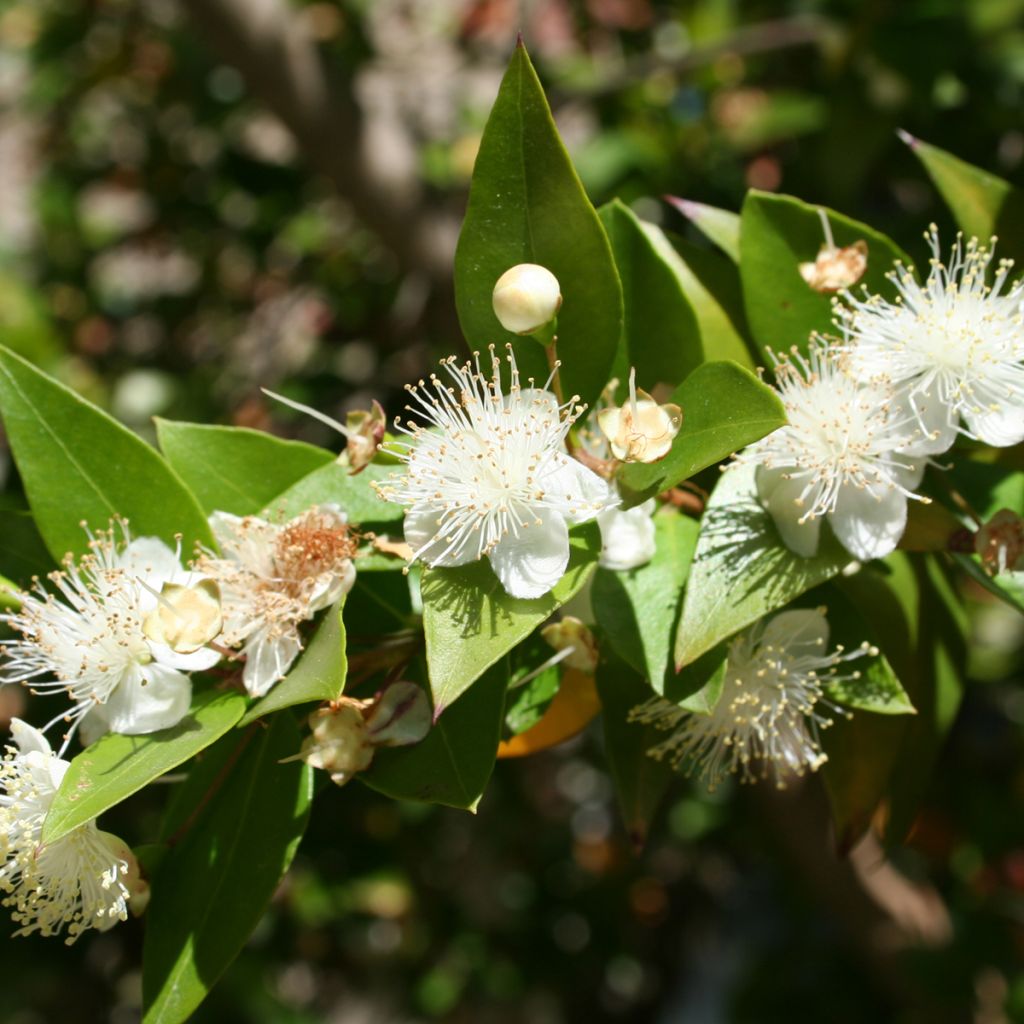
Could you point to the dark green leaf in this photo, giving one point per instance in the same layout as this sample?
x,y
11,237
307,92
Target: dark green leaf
x,y
637,610
78,464
234,469
526,704
526,205
470,621
453,764
721,226
724,408
116,766
23,552
742,570
318,674
778,234
212,888
662,339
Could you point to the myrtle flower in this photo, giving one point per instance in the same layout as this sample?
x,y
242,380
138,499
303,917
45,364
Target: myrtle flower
x,y
641,430
768,717
953,347
835,458
82,881
97,645
274,576
487,474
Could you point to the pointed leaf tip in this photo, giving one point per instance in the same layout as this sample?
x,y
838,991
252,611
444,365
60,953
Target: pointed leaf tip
x,y
520,45
906,137
687,208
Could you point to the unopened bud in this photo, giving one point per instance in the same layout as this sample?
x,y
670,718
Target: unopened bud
x,y
569,632
1000,543
526,297
400,716
642,430
835,269
185,618
365,431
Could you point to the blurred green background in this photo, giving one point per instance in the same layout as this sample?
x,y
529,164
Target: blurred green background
x,y
186,217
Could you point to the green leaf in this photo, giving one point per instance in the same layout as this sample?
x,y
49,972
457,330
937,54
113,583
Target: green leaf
x,y
23,552
640,781
78,464
721,226
778,234
982,203
741,569
724,408
526,704
318,674
234,469
454,763
470,622
988,486
1005,587
116,766
637,610
660,330
354,494
212,888
526,205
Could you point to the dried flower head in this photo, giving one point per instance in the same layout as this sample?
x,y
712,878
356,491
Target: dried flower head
x,y
641,430
835,268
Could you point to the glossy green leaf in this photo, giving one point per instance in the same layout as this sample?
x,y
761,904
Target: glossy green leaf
x,y
640,781
721,226
982,203
235,469
353,493
741,569
318,674
778,234
988,486
23,552
724,408
78,464
638,610
213,887
116,766
454,763
527,702
470,622
660,331
526,205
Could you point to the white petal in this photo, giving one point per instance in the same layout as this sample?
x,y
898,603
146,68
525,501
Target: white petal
x,y
532,563
422,526
197,661
148,700
627,538
577,493
267,660
932,421
779,494
331,587
908,472
151,560
869,521
1000,427
797,626
29,738
94,725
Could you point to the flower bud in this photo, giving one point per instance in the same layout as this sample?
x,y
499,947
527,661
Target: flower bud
x,y
526,297
365,431
340,742
185,618
1000,543
642,430
569,632
400,716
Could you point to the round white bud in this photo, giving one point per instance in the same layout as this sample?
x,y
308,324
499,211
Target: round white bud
x,y
526,297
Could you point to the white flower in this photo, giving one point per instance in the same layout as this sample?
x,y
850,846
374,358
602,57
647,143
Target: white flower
x,y
835,458
526,297
768,713
627,536
79,882
489,475
274,576
953,348
93,645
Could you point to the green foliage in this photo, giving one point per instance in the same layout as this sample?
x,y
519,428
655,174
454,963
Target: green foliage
x,y
470,622
453,764
725,407
116,766
779,233
526,205
233,469
660,334
721,226
638,610
213,886
79,465
741,569
318,674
